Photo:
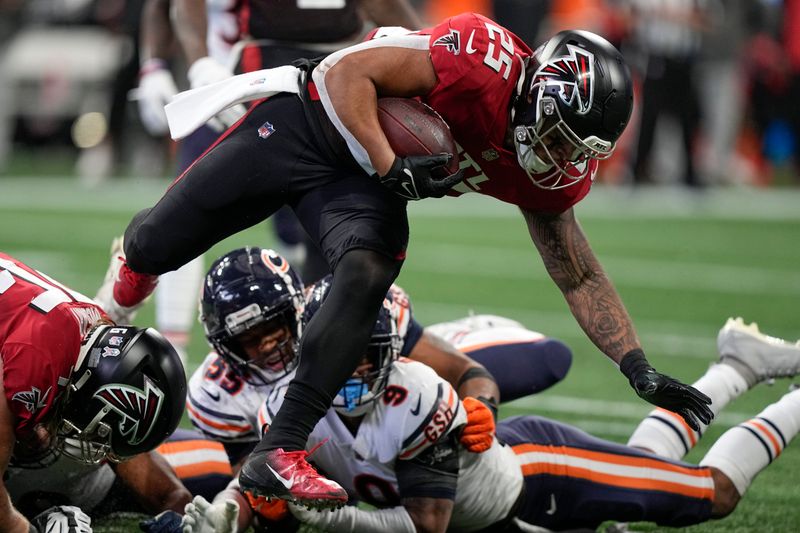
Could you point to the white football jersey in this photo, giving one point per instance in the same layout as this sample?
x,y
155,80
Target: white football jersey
x,y
416,410
223,406
483,331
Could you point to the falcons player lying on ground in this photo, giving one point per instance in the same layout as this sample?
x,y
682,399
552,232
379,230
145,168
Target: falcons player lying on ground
x,y
391,440
75,384
252,308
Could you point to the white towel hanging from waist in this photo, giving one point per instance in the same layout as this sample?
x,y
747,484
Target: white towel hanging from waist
x,y
191,109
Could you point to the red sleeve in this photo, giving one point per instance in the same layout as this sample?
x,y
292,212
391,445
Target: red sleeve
x,y
29,388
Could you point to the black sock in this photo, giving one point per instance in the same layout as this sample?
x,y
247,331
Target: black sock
x,y
333,344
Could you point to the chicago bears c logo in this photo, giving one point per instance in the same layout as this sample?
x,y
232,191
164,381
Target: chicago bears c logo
x,y
573,75
139,408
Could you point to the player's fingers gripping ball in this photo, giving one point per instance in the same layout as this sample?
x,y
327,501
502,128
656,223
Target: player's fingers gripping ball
x,y
479,431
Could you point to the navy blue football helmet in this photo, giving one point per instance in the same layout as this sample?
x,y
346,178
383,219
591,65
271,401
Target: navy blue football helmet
x,y
253,292
574,103
361,390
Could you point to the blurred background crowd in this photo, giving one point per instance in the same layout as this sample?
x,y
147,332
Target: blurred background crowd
x,y
715,83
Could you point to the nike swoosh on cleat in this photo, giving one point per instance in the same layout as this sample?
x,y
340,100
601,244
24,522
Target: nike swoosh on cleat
x,y
285,482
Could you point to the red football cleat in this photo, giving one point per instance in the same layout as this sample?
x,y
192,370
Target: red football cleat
x,y
288,476
123,290
131,288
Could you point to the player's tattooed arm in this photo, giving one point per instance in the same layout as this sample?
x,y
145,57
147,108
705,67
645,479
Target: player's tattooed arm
x,y
587,289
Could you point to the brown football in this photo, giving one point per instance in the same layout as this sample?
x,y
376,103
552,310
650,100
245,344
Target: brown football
x,y
413,128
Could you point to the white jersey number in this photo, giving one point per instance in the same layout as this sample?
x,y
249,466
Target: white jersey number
x,y
505,52
54,293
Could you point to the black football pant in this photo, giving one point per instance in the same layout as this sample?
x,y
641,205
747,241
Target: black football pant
x,y
269,159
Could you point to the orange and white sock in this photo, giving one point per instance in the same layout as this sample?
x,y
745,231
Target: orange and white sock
x,y
745,450
667,434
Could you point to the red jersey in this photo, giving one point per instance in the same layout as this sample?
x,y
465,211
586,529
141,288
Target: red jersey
x,y
480,67
42,324
479,64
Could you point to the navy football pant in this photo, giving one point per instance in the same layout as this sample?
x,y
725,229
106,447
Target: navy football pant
x,y
524,368
574,480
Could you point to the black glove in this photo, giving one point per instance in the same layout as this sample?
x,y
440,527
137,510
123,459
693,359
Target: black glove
x,y
664,391
421,176
166,522
62,518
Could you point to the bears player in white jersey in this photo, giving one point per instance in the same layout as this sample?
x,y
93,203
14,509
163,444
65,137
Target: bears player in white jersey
x,y
76,385
532,126
252,307
390,440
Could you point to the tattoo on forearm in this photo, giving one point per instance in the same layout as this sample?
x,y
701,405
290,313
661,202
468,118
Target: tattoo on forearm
x,y
591,296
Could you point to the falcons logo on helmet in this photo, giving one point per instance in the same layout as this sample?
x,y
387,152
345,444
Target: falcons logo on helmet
x,y
139,408
573,75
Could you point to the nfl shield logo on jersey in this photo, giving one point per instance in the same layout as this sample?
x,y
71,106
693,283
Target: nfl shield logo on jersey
x,y
266,130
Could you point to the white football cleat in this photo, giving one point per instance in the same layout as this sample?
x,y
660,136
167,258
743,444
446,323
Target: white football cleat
x,y
766,357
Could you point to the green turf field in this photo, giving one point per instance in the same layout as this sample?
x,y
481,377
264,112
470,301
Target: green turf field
x,y
682,264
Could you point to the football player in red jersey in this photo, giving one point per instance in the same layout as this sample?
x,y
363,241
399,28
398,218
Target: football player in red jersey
x,y
75,384
532,126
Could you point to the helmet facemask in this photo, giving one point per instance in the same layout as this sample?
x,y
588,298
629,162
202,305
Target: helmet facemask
x,y
259,322
571,108
362,389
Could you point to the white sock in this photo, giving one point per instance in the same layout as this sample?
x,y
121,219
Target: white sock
x,y
667,434
745,450
176,299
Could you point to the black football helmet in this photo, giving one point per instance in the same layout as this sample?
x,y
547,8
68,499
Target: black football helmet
x,y
575,101
357,395
244,289
125,397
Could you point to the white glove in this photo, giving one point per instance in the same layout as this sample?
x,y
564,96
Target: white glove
x,y
64,519
204,517
156,89
206,71
354,520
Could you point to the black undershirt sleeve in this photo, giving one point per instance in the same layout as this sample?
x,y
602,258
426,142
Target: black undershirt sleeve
x,y
431,474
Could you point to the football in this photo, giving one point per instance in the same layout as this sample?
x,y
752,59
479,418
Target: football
x,y
413,128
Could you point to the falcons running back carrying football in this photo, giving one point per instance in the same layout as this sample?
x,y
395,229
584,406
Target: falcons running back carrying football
x,y
391,440
252,308
535,123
